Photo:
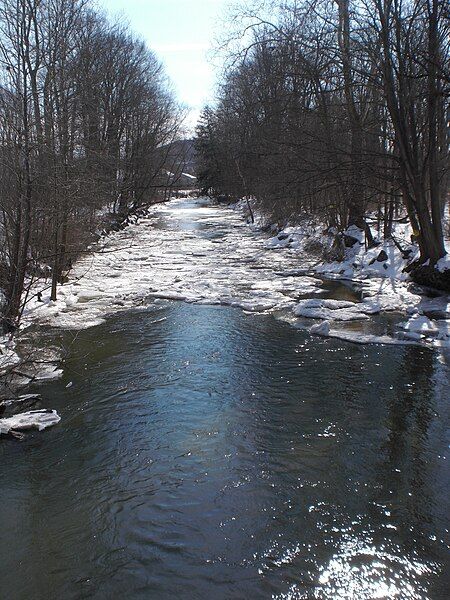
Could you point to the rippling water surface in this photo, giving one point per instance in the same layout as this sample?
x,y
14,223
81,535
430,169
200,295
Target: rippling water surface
x,y
206,453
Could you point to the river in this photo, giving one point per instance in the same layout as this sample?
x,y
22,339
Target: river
x,y
205,452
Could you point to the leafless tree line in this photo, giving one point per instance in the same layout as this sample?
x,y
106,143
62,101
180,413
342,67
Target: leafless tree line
x,y
335,108
87,119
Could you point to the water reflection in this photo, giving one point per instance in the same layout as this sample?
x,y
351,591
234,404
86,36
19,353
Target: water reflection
x,y
205,453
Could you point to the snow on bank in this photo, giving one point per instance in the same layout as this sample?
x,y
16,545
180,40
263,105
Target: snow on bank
x,y
8,356
196,251
443,264
379,272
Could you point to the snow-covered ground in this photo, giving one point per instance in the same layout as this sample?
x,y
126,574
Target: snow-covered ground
x,y
196,251
8,356
385,286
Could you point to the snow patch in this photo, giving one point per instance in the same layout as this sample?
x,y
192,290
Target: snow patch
x,y
419,327
8,356
443,264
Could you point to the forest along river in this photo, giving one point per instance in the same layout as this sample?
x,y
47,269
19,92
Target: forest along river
x,y
205,452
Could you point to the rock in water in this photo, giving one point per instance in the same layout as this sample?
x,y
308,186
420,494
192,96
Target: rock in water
x,y
382,256
33,419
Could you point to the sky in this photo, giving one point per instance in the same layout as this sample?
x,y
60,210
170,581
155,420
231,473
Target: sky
x,y
181,32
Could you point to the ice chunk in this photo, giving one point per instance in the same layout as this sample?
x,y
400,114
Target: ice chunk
x,y
420,324
33,419
320,328
339,310
326,303
357,337
88,295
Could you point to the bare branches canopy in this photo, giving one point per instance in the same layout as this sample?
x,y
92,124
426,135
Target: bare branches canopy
x,y
334,108
86,118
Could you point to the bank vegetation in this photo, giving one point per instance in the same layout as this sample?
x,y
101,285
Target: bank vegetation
x,y
87,125
338,110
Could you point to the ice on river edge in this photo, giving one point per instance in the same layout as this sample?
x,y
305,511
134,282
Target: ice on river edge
x,y
33,419
199,252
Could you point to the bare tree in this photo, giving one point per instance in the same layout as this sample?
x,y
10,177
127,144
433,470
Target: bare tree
x,y
335,109
85,112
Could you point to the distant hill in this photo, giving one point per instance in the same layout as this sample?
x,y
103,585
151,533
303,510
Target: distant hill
x,y
181,163
186,151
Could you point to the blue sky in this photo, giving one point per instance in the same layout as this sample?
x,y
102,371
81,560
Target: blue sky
x,y
180,32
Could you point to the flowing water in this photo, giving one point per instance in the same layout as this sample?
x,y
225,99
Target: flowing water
x,y
208,453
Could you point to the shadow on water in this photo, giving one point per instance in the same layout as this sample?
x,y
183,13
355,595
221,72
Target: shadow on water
x,y
341,290
205,453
